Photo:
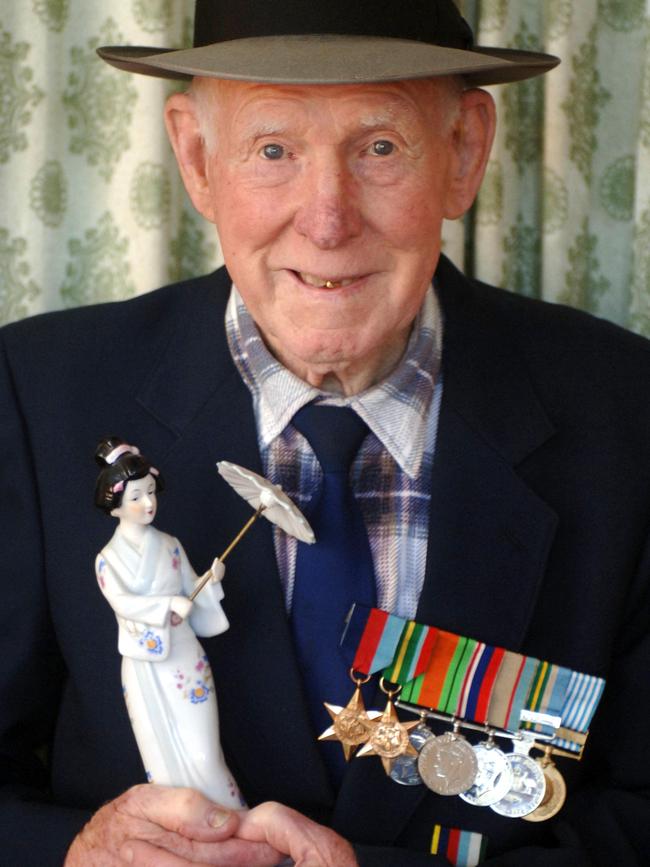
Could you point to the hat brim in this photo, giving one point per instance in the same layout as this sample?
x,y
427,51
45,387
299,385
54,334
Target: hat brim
x,y
330,59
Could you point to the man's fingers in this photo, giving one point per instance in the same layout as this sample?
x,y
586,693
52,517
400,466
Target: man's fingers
x,y
229,853
308,843
140,854
183,811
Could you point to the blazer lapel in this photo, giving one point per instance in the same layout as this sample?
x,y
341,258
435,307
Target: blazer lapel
x,y
489,534
270,749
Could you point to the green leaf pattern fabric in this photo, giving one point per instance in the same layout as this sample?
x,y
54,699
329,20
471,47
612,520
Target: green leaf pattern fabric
x,y
92,208
564,213
91,205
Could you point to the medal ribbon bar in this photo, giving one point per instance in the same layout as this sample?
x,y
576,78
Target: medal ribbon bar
x,y
547,697
460,848
370,638
466,679
582,696
413,654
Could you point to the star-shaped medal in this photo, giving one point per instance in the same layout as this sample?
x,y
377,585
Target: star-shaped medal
x,y
389,738
351,725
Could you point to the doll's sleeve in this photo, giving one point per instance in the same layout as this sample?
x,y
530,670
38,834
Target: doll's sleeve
x,y
143,621
207,617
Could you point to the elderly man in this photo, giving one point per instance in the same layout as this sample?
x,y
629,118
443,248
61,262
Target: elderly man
x,y
502,476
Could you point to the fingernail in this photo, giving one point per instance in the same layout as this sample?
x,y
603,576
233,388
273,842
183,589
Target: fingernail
x,y
127,854
217,818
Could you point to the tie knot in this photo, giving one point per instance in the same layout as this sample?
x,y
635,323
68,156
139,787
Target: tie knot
x,y
335,433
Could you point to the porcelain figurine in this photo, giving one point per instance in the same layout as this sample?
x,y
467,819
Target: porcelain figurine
x,y
166,677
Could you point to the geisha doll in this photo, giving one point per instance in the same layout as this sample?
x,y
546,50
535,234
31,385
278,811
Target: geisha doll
x,y
166,677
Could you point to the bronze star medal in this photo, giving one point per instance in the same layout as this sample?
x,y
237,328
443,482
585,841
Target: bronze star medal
x,y
351,725
389,738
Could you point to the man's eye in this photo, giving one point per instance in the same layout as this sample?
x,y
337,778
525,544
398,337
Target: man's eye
x,y
273,152
382,148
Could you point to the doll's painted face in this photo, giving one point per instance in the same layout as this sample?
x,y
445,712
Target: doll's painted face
x,y
139,502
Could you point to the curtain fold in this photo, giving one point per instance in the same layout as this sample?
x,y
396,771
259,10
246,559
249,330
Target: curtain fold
x,y
92,208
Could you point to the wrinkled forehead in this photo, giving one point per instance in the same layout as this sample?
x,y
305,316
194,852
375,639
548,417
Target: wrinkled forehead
x,y
240,102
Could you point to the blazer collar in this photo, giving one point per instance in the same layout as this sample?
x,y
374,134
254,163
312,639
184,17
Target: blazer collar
x,y
192,360
485,377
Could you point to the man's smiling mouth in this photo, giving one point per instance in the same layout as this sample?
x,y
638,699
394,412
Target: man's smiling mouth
x,y
325,282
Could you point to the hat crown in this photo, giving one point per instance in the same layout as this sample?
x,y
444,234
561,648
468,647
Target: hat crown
x,y
434,21
331,42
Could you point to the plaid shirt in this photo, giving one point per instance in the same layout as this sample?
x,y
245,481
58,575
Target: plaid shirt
x,y
390,475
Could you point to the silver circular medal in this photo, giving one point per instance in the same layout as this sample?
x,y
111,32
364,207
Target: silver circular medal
x,y
447,764
494,778
405,768
527,790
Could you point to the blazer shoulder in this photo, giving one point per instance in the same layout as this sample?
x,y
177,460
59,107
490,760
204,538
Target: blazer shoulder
x,y
83,327
537,327
582,368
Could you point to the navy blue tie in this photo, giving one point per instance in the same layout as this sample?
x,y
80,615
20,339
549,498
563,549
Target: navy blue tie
x,y
335,571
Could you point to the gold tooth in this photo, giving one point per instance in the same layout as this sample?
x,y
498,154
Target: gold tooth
x,y
327,284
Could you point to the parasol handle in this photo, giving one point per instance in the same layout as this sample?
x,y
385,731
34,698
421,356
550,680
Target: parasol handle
x,y
205,578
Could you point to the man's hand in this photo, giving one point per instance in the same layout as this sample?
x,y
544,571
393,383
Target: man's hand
x,y
304,841
156,826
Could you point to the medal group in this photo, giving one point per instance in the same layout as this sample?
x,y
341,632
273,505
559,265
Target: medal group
x,y
533,704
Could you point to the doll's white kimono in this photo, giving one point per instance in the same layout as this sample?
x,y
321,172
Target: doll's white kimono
x,y
166,677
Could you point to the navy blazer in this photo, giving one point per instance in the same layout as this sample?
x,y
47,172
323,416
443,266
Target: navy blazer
x,y
538,542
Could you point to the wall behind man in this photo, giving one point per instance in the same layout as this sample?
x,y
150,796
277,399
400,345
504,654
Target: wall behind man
x,y
91,206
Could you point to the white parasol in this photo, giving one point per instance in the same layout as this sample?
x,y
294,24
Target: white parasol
x,y
267,499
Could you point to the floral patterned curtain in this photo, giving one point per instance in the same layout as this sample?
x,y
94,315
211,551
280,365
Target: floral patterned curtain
x,y
92,209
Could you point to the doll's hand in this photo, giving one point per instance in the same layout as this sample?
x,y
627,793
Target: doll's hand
x,y
218,570
133,628
175,619
181,606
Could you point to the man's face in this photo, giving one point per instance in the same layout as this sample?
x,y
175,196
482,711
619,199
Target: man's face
x,y
329,203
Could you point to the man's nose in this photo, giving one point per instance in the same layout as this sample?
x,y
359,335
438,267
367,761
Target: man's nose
x,y
328,214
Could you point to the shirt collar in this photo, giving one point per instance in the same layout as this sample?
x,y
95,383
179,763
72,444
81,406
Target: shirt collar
x,y
396,409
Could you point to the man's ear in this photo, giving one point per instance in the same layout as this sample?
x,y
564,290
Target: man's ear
x,y
189,146
471,139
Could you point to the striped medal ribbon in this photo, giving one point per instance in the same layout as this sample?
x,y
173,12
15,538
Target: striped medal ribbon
x,y
465,678
371,638
460,848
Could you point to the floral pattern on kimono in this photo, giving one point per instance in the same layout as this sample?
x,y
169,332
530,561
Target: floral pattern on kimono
x,y
177,730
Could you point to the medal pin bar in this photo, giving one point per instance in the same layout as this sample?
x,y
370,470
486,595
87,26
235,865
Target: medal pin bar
x,y
535,788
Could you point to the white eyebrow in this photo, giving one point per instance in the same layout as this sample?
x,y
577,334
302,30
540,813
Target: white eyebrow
x,y
377,121
257,130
